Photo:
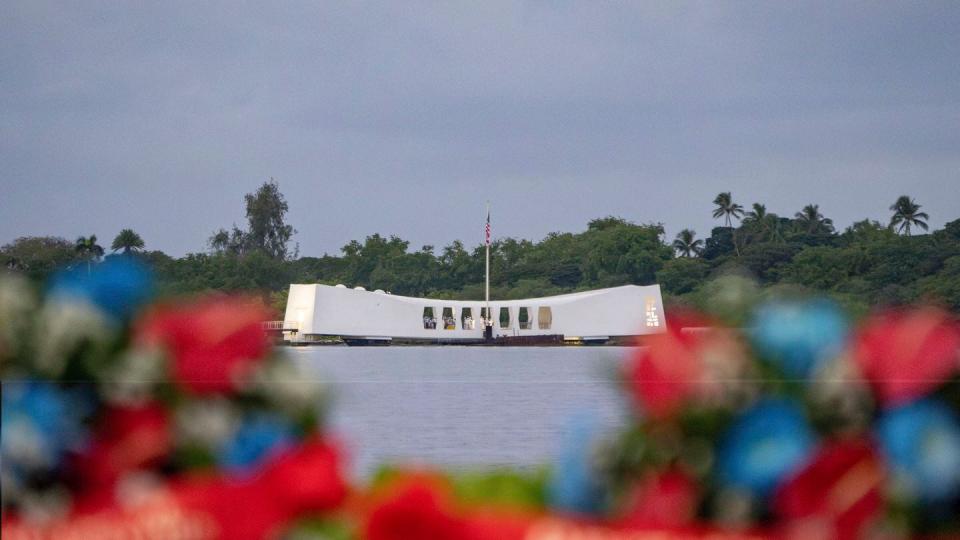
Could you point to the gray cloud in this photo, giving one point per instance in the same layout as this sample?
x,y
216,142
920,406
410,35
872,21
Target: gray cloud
x,y
405,118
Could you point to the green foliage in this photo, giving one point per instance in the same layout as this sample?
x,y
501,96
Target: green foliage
x,y
623,253
278,302
864,233
199,272
902,260
824,268
720,243
865,265
950,231
267,230
766,260
611,252
266,210
604,223
234,242
323,528
944,286
502,487
38,257
682,275
489,487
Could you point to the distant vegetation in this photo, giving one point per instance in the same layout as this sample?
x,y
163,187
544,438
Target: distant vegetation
x,y
866,264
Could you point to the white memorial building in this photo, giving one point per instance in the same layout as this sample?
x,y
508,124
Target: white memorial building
x,y
366,317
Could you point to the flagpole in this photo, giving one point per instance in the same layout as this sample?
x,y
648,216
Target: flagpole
x,y
488,330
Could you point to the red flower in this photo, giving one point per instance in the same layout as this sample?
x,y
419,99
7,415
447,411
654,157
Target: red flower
x,y
418,510
420,506
663,500
305,480
907,354
498,525
839,489
673,366
213,343
127,438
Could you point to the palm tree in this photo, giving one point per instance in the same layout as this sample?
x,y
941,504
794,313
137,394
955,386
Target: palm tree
x,y
906,212
758,214
88,249
775,228
726,208
812,221
757,223
686,245
128,241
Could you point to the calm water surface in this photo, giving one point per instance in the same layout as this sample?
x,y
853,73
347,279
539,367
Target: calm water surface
x,y
463,406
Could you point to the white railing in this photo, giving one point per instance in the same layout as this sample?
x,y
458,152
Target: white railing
x,y
281,325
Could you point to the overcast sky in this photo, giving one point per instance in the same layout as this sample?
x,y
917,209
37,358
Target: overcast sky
x,y
401,119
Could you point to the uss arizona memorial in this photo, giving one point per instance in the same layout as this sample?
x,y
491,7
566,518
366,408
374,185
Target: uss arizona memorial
x,y
361,317
366,317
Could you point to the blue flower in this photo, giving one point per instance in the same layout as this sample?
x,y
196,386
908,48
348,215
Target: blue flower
x,y
258,437
765,444
922,442
574,485
799,335
39,422
119,286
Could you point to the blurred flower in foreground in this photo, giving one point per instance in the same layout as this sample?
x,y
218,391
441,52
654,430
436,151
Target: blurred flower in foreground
x,y
764,445
66,328
299,482
85,311
905,355
662,499
39,424
126,439
666,372
119,286
922,442
575,485
419,509
840,398
257,438
214,344
289,386
133,377
422,506
731,298
840,489
305,479
206,422
692,359
799,334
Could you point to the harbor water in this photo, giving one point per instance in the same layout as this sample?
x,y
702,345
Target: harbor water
x,y
463,406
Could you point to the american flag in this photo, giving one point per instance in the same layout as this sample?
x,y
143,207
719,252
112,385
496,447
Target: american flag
x,y
488,227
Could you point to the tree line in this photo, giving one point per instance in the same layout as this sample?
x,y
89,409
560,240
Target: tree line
x,y
866,264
